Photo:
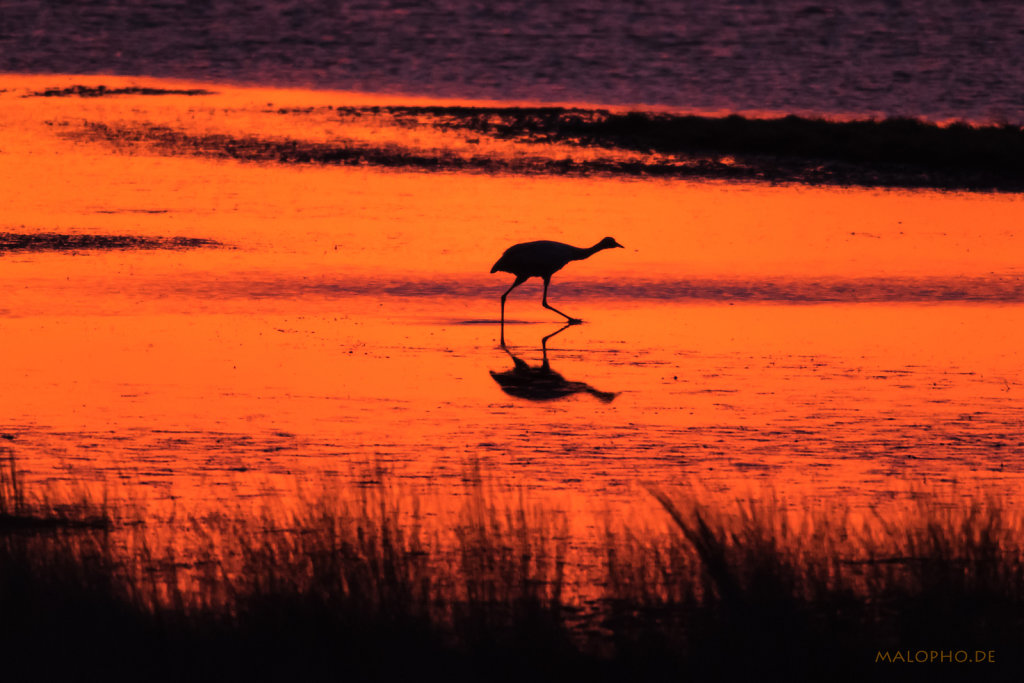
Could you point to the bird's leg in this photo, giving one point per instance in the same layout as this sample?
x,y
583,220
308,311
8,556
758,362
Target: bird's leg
x,y
572,321
544,343
519,281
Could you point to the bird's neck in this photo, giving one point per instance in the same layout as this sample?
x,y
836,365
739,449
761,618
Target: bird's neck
x,y
588,252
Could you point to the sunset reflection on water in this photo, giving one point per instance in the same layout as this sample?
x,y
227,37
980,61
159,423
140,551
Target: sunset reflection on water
x,y
318,338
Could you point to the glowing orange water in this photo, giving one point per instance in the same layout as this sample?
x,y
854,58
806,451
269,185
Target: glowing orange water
x,y
205,373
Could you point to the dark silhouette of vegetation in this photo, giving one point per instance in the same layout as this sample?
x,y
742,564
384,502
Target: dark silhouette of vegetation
x,y
354,584
21,513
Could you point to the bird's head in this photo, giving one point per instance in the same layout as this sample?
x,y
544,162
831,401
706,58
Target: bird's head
x,y
609,243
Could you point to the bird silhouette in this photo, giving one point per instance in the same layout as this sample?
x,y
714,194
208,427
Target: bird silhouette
x,y
543,259
542,383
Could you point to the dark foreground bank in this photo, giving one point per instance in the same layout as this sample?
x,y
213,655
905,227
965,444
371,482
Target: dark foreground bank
x,y
348,585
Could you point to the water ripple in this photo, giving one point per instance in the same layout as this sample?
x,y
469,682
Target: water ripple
x,y
1007,289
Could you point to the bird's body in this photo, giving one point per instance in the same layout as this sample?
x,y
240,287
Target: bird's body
x,y
543,259
538,259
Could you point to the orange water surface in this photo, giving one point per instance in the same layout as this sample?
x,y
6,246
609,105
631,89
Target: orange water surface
x,y
349,318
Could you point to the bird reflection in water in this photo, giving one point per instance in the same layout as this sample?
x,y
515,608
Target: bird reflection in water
x,y
542,383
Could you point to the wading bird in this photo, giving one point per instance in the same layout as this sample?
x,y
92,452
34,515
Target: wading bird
x,y
543,259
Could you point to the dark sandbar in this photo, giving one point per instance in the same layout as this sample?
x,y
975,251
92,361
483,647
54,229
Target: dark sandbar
x,y
51,241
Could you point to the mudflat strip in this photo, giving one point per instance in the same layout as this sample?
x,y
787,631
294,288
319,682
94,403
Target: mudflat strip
x,y
52,241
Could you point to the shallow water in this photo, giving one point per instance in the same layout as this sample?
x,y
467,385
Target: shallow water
x,y
822,342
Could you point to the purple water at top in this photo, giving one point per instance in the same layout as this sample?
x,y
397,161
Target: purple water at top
x,y
937,59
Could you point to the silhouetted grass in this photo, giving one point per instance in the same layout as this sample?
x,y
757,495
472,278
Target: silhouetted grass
x,y
355,584
753,589
22,512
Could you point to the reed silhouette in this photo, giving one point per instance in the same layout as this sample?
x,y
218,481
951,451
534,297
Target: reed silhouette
x,y
541,383
543,259
338,581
